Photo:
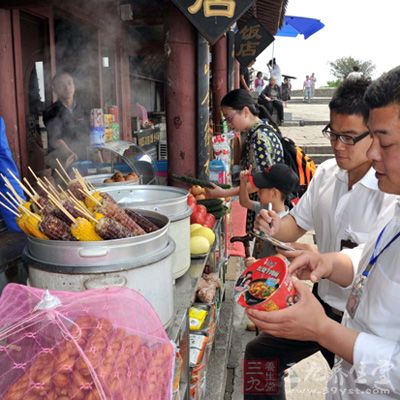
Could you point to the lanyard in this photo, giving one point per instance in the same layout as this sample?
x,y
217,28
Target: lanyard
x,y
374,255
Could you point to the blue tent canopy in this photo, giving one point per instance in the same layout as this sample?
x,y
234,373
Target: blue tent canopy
x,y
293,26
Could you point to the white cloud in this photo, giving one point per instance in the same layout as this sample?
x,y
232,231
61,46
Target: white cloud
x,y
358,28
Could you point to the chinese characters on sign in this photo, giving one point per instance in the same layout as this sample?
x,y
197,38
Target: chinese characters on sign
x,y
251,40
213,8
260,377
212,18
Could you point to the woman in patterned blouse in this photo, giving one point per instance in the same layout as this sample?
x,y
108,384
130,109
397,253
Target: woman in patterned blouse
x,y
261,146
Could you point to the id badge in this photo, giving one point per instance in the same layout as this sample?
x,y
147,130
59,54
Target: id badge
x,y
355,296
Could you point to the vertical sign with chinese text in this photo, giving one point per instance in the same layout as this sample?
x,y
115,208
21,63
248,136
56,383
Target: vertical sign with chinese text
x,y
250,41
212,18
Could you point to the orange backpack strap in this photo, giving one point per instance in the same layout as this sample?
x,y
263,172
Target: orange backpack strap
x,y
299,160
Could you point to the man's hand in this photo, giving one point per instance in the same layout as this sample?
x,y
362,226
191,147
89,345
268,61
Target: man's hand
x,y
268,222
305,320
249,261
70,159
310,265
297,246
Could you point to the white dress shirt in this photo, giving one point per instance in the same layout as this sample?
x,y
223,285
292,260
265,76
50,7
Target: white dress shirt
x,y
337,213
376,354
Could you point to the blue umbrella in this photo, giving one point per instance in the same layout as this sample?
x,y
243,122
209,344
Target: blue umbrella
x,y
293,26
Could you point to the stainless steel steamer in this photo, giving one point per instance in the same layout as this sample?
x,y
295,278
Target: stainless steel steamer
x,y
166,200
143,263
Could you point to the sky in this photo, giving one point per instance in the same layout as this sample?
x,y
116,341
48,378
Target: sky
x,y
362,29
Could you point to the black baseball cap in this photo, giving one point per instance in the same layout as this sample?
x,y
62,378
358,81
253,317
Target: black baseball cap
x,y
278,176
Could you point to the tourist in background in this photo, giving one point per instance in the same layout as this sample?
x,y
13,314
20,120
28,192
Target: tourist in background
x,y
307,89
313,80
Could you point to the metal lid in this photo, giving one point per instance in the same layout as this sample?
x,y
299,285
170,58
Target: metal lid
x,y
167,200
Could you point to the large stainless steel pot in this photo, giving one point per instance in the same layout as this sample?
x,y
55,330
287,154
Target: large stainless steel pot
x,y
143,263
166,200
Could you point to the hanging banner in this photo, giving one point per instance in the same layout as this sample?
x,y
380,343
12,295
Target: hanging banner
x,y
212,18
250,41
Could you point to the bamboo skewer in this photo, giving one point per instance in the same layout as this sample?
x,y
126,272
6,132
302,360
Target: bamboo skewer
x,y
23,187
90,196
80,179
82,210
63,170
29,212
52,188
9,209
31,171
59,174
18,203
61,207
35,196
9,201
11,187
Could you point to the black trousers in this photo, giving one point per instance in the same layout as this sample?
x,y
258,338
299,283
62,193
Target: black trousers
x,y
282,354
277,104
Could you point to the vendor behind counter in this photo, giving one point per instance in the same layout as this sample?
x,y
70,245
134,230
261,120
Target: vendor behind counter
x,y
67,124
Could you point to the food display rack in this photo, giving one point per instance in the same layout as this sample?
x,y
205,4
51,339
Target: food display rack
x,y
185,296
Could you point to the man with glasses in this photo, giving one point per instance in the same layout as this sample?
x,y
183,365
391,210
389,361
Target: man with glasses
x,y
343,205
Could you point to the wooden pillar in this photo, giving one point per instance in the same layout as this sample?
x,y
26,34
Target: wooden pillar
x,y
203,106
231,59
124,92
8,96
236,74
180,93
220,79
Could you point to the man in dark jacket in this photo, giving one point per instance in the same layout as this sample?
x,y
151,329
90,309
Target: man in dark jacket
x,y
67,124
271,98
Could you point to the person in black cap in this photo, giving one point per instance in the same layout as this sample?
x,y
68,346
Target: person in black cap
x,y
273,185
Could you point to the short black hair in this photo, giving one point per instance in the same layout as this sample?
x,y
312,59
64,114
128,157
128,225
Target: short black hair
x,y
238,99
356,68
59,74
348,98
385,90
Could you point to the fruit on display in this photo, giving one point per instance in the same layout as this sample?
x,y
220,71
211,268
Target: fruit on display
x,y
194,227
209,221
206,233
199,214
199,245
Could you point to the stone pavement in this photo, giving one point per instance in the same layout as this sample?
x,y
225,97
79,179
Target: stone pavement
x,y
306,380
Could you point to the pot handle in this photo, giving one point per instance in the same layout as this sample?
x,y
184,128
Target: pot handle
x,y
93,252
105,281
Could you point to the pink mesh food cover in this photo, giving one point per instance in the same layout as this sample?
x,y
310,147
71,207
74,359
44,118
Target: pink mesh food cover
x,y
98,344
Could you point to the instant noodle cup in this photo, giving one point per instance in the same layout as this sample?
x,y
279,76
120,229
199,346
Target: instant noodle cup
x,y
266,285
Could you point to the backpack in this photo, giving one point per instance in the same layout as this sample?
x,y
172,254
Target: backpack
x,y
297,160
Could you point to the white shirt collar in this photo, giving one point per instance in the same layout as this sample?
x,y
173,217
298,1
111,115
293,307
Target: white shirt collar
x,y
368,180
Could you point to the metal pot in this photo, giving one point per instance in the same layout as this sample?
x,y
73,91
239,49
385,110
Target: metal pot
x,y
143,263
166,200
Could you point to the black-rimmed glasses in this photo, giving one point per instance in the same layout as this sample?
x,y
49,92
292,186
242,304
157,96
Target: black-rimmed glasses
x,y
346,139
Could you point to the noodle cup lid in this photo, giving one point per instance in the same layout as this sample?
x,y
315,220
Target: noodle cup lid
x,y
266,285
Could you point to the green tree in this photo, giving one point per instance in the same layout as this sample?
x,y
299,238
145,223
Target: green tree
x,y
341,67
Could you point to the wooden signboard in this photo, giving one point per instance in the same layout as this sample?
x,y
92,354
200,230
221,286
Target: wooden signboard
x,y
212,18
250,41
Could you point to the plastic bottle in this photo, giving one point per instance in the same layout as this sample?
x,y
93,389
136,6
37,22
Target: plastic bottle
x,y
217,171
